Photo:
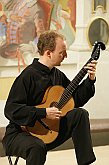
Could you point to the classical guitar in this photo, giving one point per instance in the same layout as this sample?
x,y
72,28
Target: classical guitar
x,y
57,96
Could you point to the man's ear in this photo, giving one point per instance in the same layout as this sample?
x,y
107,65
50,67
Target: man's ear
x,y
48,52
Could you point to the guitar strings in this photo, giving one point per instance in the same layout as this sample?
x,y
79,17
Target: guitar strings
x,y
74,83
70,88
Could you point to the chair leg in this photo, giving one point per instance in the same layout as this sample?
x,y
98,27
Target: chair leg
x,y
10,160
17,158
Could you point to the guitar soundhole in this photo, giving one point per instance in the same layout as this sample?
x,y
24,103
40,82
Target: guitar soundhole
x,y
53,104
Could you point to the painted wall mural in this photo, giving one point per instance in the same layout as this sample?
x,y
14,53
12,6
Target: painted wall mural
x,y
22,21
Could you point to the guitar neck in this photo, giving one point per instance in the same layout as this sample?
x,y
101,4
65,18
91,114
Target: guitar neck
x,y
77,79
67,94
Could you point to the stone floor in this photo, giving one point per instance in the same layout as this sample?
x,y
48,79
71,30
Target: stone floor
x,y
67,157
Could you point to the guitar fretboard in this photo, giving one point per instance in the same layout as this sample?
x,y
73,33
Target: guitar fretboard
x,y
67,94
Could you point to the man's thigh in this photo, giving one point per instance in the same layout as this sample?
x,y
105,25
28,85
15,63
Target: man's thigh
x,y
22,143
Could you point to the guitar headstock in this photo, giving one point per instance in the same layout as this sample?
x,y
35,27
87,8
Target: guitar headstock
x,y
96,50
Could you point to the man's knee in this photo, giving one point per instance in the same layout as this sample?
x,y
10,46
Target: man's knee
x,y
84,111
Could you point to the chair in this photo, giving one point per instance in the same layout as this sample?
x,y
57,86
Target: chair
x,y
10,160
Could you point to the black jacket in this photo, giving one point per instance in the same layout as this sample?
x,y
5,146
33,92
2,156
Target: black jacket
x,y
28,91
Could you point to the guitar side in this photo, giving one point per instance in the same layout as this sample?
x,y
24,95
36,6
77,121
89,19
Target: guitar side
x,y
53,94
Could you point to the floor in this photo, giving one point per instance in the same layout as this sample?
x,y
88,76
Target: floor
x,y
67,157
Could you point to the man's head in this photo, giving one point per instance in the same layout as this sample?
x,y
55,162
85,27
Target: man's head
x,y
47,41
52,47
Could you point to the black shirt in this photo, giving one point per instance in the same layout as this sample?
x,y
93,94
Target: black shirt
x,y
28,91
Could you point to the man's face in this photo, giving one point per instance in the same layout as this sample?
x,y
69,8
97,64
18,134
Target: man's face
x,y
59,53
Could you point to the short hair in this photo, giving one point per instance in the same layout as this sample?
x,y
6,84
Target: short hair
x,y
47,41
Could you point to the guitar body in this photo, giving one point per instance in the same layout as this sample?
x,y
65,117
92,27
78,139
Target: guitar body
x,y
52,95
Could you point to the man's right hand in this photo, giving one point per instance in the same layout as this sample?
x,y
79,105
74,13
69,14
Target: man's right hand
x,y
53,113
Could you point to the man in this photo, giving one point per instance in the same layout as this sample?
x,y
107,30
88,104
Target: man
x,y
28,91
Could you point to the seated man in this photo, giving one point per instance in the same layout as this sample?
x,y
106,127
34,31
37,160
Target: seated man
x,y
27,93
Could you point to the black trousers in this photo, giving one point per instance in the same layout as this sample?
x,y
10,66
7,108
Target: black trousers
x,y
75,124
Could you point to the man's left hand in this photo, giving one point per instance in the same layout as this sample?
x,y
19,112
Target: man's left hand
x,y
91,69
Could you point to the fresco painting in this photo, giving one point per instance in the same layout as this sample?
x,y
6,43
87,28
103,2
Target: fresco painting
x,y
22,21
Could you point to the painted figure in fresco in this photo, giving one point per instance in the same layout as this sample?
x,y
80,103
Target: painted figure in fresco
x,y
62,18
25,21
